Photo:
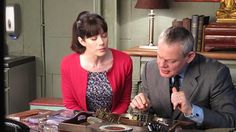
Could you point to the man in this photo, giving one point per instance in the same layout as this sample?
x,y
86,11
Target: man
x,y
206,94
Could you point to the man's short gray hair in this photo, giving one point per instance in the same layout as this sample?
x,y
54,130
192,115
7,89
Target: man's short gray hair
x,y
180,35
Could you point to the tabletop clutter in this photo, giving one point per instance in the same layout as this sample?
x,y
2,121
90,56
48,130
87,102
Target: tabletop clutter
x,y
101,120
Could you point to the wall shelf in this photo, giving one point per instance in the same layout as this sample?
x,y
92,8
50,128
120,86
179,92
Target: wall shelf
x,y
140,56
222,55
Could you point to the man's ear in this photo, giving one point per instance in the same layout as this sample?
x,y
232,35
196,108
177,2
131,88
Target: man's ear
x,y
190,56
81,41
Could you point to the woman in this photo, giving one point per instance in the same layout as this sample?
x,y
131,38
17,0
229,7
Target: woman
x,y
95,76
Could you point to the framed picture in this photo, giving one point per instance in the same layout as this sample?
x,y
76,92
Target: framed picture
x,y
197,0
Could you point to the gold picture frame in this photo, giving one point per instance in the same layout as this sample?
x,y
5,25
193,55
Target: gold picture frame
x,y
197,0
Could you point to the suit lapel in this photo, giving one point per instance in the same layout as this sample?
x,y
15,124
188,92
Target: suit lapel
x,y
189,84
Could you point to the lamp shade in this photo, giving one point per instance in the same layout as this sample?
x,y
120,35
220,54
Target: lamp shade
x,y
152,4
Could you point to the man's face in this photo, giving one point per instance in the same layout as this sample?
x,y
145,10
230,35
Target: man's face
x,y
170,59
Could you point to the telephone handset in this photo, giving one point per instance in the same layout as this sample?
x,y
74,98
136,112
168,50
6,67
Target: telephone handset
x,y
13,125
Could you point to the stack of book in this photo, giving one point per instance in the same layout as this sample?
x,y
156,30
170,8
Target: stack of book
x,y
195,25
219,36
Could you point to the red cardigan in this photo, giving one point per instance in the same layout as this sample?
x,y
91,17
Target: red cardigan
x,y
74,82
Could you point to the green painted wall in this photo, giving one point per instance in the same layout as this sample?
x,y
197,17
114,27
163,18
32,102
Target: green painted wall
x,y
133,22
46,30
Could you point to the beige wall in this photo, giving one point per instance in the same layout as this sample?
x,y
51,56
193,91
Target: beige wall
x,y
128,27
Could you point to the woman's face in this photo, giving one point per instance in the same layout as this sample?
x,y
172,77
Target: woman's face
x,y
97,45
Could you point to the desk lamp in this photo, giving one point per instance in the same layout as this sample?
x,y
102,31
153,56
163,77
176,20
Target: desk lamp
x,y
151,4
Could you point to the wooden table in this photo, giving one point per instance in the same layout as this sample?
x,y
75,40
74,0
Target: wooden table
x,y
21,117
94,127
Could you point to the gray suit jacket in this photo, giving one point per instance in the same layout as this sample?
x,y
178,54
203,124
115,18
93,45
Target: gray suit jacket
x,y
207,83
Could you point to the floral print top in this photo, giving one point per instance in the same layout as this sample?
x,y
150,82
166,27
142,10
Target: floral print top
x,y
99,92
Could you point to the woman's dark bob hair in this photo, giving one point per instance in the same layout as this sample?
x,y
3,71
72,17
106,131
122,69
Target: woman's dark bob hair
x,y
86,25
